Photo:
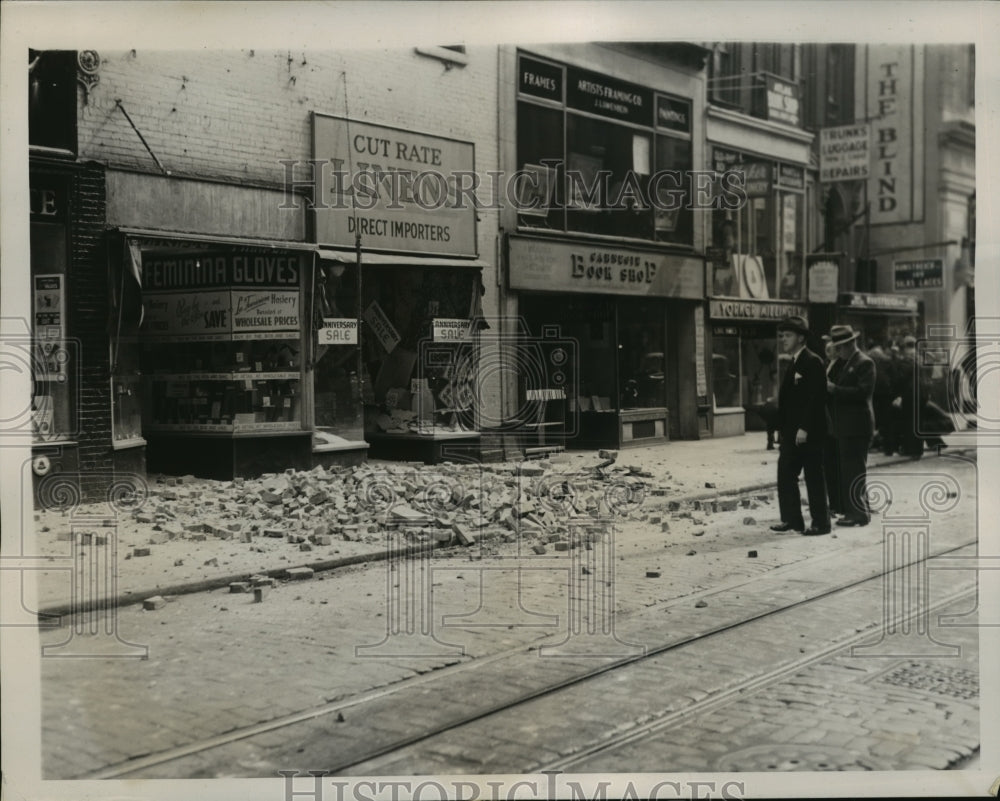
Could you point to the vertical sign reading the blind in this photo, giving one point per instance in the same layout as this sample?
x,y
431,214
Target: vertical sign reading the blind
x,y
895,106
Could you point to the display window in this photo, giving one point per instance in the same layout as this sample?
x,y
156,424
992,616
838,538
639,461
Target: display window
x,y
641,354
418,348
761,245
337,367
53,408
220,341
595,158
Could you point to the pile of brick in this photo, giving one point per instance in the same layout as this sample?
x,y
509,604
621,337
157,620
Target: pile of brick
x,y
445,504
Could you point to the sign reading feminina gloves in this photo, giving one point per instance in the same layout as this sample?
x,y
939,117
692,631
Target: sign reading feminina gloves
x,y
398,190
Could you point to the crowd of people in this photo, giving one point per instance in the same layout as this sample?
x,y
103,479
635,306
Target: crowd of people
x,y
832,410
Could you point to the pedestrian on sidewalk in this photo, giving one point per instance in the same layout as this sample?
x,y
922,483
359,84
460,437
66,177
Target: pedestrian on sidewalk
x,y
831,454
802,432
853,422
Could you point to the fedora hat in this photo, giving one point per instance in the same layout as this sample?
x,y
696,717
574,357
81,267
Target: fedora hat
x,y
840,334
794,323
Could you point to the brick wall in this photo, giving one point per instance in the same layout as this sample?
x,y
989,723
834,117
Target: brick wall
x,y
233,115
87,314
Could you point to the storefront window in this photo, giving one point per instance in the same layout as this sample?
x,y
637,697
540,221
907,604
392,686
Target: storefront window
x,y
416,347
596,143
726,370
126,373
601,159
760,247
337,390
53,414
641,354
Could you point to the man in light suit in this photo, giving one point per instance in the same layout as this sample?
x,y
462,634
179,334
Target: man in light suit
x,y
853,420
802,429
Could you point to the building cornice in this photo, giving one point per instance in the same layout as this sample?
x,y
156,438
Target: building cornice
x,y
796,135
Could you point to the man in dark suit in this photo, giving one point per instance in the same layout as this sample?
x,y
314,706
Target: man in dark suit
x,y
853,421
802,432
831,454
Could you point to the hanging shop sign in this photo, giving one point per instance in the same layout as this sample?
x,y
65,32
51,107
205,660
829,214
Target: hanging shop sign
x,y
922,274
338,331
537,264
823,276
844,153
751,311
451,330
789,176
384,330
894,101
866,301
782,100
397,190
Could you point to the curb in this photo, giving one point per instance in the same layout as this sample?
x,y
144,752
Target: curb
x,y
206,585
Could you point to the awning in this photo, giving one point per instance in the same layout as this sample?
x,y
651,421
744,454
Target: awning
x,y
380,259
167,238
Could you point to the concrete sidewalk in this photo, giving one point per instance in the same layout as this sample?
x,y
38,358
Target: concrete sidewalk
x,y
152,561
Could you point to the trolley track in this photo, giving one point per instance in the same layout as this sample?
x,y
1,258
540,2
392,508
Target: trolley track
x,y
432,691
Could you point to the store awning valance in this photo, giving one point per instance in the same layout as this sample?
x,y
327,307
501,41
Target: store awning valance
x,y
380,259
152,238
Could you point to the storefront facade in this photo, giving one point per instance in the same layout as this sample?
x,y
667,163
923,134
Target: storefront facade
x,y
760,258
176,238
603,271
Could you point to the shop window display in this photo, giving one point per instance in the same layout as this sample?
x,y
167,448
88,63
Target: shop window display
x,y
337,390
726,371
641,359
418,348
53,416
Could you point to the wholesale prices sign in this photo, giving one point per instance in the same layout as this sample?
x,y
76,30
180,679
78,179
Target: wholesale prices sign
x,y
399,190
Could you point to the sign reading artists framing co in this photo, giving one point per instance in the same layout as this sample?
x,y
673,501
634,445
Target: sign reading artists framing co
x,y
399,190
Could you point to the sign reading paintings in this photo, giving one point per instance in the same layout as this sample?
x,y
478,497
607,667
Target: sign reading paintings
x,y
400,191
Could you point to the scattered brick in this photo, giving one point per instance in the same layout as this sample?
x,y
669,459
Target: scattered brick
x,y
749,521
260,593
562,545
239,586
299,573
141,551
158,538
699,533
539,549
701,604
652,574
751,554
154,603
691,553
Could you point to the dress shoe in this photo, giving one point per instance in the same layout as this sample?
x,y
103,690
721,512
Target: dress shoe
x,y
783,528
813,531
851,521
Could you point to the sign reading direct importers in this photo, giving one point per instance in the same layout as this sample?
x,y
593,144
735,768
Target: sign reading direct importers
x,y
401,191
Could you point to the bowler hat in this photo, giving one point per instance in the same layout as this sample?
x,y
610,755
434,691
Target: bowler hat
x,y
840,334
794,323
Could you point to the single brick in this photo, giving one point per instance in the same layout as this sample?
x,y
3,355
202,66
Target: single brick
x,y
156,602
299,573
239,586
141,552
